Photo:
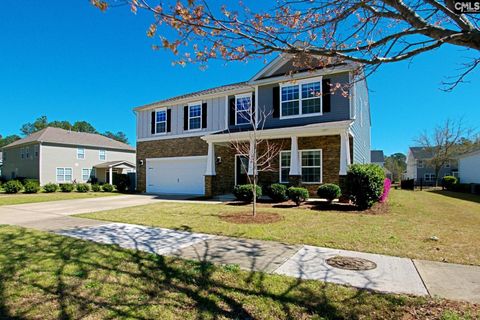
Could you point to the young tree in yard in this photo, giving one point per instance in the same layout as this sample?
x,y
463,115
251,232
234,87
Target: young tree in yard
x,y
371,32
397,164
260,151
444,143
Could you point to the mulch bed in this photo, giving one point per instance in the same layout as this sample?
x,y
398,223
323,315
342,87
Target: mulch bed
x,y
247,217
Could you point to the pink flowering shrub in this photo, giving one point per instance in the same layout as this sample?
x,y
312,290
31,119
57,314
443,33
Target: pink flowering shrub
x,y
387,184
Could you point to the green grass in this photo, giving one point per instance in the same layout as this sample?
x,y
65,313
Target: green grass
x,y
21,198
405,230
46,276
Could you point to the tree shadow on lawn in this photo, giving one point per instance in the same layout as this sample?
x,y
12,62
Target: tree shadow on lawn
x,y
50,276
458,195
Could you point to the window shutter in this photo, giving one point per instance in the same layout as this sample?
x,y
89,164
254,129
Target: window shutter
x,y
276,102
185,118
232,111
204,115
169,120
326,96
152,123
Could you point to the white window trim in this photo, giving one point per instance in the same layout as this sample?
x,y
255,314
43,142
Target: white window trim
x,y
321,165
238,155
192,104
418,163
243,95
78,149
430,175
299,84
281,167
27,152
22,153
99,154
89,174
156,111
301,167
448,164
64,181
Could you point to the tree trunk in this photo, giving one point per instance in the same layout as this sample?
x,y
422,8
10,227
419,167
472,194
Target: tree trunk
x,y
254,195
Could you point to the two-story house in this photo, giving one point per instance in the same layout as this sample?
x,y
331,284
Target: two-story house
x,y
184,142
419,168
54,155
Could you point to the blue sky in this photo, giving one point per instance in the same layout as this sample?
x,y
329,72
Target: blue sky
x,y
73,62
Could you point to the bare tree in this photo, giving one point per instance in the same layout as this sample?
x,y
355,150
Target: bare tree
x,y
371,32
261,152
444,143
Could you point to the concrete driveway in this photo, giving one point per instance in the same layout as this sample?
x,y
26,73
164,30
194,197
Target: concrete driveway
x,y
54,215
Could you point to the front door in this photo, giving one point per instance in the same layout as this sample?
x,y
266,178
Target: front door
x,y
241,169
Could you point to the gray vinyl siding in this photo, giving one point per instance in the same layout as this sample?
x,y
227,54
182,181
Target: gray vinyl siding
x,y
215,119
361,125
443,171
23,168
339,107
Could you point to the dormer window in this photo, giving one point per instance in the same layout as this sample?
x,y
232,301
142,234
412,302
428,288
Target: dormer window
x,y
302,98
243,108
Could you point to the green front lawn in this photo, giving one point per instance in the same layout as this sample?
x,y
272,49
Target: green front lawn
x,y
46,276
21,198
413,218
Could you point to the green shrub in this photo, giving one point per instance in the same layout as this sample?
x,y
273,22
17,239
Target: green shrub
x,y
25,181
13,186
83,187
364,184
122,182
244,192
107,187
67,187
31,187
297,194
329,191
449,182
277,192
50,187
96,187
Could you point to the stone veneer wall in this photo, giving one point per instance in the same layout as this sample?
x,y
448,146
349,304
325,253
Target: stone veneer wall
x,y
179,147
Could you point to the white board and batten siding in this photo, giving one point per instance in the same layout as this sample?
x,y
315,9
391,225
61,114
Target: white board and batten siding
x,y
176,175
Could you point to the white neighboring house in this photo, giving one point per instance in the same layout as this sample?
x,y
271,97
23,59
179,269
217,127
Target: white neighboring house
x,y
468,167
61,156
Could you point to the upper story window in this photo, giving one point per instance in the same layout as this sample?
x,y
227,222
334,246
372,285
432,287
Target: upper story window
x,y
303,98
447,164
243,108
161,121
195,116
420,164
22,153
35,152
102,155
80,153
27,152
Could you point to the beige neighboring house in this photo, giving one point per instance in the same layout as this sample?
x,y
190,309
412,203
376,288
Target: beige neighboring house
x,y
60,156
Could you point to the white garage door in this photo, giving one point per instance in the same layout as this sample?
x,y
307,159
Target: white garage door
x,y
182,175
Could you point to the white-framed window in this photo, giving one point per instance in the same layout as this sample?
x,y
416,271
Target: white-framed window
x,y
311,163
87,174
161,121
301,98
102,155
420,164
429,177
64,174
27,152
455,174
243,108
35,151
195,115
284,166
80,153
22,153
447,164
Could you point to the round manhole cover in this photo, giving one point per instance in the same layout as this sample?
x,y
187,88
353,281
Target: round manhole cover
x,y
351,263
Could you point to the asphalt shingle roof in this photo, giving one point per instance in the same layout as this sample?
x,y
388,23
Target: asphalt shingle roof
x,y
61,136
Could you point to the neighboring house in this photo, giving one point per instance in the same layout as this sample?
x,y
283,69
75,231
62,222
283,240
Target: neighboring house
x,y
184,142
60,156
469,167
418,167
1,163
377,157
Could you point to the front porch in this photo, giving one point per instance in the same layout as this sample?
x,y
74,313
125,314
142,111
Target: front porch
x,y
310,156
104,172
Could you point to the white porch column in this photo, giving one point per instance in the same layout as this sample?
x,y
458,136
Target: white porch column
x,y
344,152
110,175
251,157
294,158
210,171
